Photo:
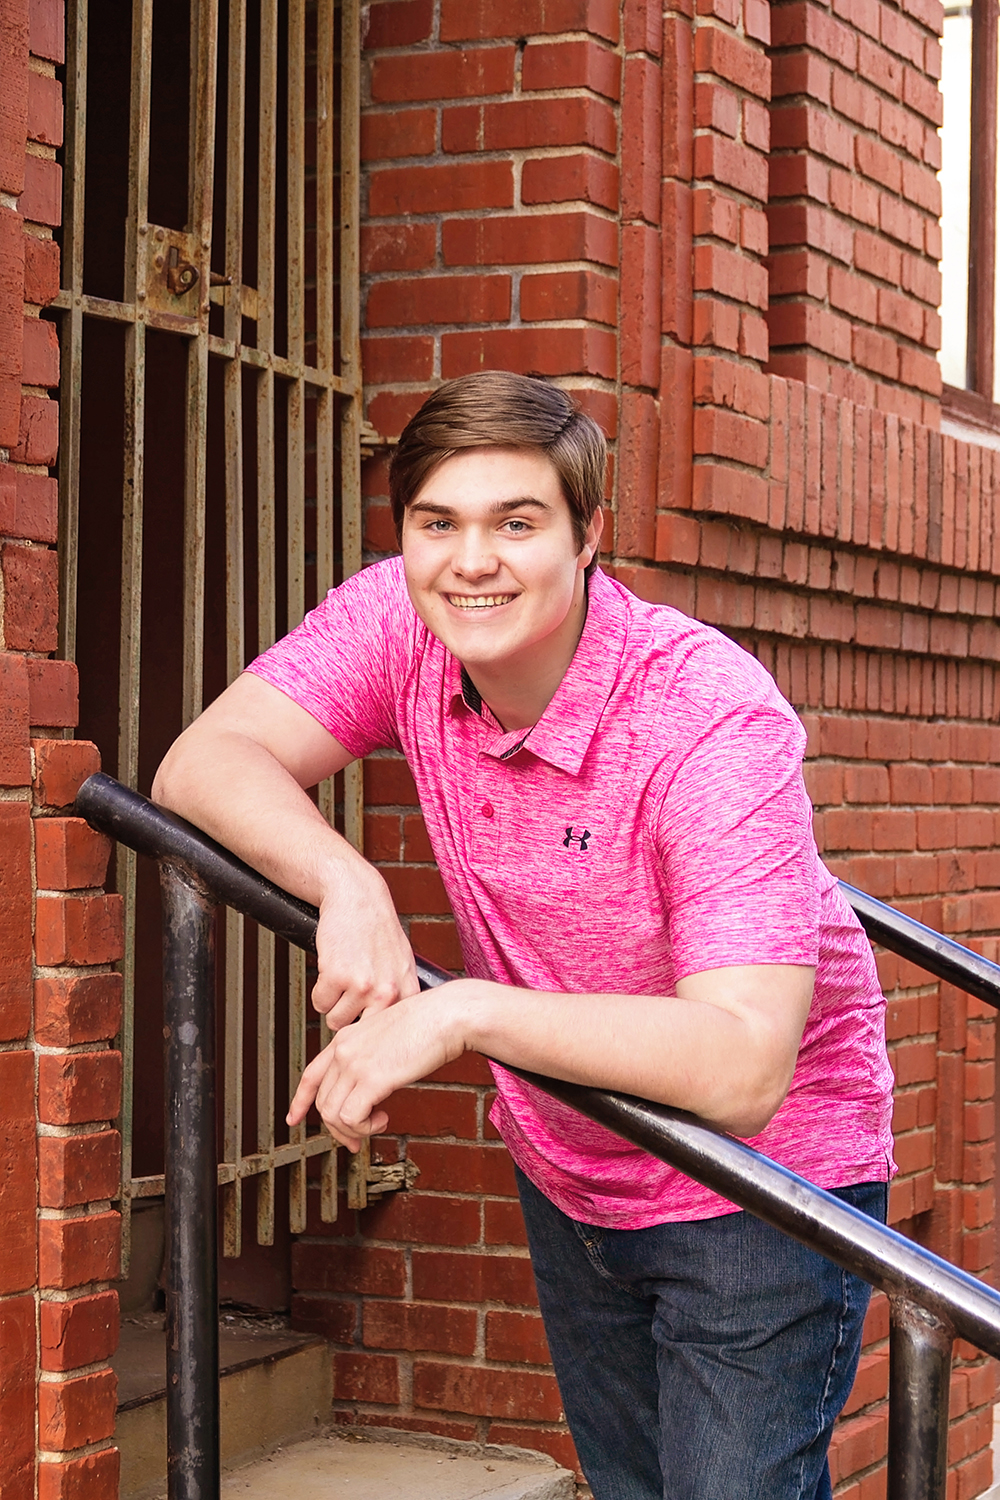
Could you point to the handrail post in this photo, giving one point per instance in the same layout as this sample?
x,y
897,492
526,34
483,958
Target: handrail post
x,y
919,1384
192,1295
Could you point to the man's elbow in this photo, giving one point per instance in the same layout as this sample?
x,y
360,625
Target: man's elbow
x,y
161,784
170,779
750,1108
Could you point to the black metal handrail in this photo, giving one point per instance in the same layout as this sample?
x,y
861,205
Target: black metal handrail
x,y
931,1302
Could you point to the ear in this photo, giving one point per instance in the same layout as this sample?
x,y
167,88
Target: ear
x,y
592,538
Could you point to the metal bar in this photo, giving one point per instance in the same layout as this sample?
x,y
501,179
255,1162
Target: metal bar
x,y
260,359
267,165
357,1176
328,1165
297,1018
232,398
266,552
247,1166
323,380
72,329
96,307
147,829
179,323
919,1382
192,1301
201,164
326,540
232,1126
350,349
350,261
880,1255
325,334
265,1082
295,260
187,327
233,325
295,534
326,167
939,955
130,629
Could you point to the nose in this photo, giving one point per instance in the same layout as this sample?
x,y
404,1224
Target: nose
x,y
474,555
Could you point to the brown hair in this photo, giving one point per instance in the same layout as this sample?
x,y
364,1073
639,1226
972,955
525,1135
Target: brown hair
x,y
496,409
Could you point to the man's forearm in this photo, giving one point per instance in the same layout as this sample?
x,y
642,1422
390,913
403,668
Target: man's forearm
x,y
237,792
726,1061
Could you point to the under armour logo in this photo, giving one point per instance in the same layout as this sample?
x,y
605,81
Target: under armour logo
x,y
572,837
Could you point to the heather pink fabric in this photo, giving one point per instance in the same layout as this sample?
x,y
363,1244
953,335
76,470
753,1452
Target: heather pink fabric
x,y
652,824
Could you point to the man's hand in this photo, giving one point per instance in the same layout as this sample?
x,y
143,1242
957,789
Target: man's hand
x,y
385,1050
365,959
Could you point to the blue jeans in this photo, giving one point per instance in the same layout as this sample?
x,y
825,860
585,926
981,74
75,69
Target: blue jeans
x,y
698,1361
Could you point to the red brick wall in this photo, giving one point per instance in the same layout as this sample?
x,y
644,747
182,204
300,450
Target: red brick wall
x,y
59,934
887,645
855,200
795,495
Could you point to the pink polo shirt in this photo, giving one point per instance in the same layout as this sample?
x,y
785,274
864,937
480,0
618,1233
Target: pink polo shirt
x,y
652,824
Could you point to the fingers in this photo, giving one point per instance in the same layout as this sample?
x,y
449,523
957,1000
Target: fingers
x,y
344,1106
309,1084
365,959
342,997
386,1049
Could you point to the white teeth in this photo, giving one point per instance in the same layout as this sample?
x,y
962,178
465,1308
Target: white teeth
x,y
481,601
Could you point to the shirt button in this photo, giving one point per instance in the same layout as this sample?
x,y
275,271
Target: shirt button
x,y
486,810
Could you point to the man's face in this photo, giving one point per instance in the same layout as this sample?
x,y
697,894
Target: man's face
x,y
492,564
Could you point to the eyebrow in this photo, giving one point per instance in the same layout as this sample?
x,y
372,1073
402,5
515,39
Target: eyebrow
x,y
498,508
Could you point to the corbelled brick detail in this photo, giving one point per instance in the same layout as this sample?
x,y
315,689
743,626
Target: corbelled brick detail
x,y
855,201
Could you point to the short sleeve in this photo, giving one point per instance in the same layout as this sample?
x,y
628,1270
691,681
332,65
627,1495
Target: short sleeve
x,y
734,834
344,664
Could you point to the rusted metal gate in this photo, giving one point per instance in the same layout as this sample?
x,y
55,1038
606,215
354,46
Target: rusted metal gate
x,y
211,380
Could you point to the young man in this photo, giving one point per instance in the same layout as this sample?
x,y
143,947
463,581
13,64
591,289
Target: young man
x,y
614,797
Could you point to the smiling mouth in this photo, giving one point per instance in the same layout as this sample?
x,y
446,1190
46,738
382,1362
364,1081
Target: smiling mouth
x,y
479,601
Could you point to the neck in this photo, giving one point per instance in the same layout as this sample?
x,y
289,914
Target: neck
x,y
518,692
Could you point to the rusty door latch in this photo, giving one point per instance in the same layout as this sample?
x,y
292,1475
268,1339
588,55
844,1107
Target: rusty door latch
x,y
182,276
175,267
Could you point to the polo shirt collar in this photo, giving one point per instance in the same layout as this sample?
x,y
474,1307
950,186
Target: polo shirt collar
x,y
563,734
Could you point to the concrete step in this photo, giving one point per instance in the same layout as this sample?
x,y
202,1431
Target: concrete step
x,y
275,1386
358,1467
275,1399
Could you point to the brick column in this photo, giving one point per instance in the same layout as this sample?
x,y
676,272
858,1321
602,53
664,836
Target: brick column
x,y
19,1179
59,1004
78,935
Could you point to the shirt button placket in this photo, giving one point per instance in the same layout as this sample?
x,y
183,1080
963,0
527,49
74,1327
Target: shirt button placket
x,y
486,805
